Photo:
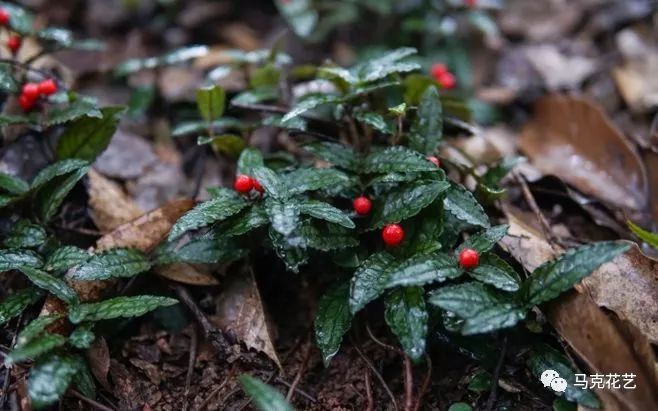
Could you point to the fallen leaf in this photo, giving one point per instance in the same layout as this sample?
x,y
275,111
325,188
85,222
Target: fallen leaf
x,y
98,356
636,78
110,206
186,274
574,140
240,311
127,157
651,162
558,69
605,343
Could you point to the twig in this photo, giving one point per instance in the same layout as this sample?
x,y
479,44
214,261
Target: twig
x,y
221,386
190,367
377,374
301,392
300,372
426,382
379,342
371,401
530,199
89,401
408,384
494,382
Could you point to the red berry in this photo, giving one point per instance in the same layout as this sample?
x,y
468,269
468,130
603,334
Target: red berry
x,y
25,103
257,186
4,17
434,160
362,205
469,258
471,3
48,87
31,91
393,234
14,43
437,70
243,183
447,80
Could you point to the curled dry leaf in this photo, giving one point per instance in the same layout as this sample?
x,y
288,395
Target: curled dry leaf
x,y
574,140
240,311
605,343
110,206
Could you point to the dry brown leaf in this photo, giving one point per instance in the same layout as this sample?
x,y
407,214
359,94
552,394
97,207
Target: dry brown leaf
x,y
605,343
651,161
574,140
110,206
98,356
240,311
186,274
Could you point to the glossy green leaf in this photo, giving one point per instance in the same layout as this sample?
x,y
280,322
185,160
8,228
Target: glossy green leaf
x,y
284,216
217,126
211,102
25,235
8,84
300,15
427,130
250,158
327,212
209,248
250,219
327,237
118,307
113,263
368,281
35,328
543,357
12,184
397,159
422,269
35,348
177,56
406,314
336,154
463,206
332,321
50,197
14,259
485,240
49,378
66,257
312,179
376,121
495,271
644,235
17,302
557,276
208,212
308,103
497,172
83,336
263,396
54,285
81,107
84,380
291,249
381,66
20,20
87,137
57,169
460,406
271,182
407,201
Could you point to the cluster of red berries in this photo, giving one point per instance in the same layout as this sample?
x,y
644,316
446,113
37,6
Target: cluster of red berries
x,y
14,41
244,184
31,93
443,76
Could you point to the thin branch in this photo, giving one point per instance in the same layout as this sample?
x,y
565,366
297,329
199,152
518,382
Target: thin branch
x,y
301,392
194,343
377,374
426,383
300,372
408,384
371,401
89,401
496,376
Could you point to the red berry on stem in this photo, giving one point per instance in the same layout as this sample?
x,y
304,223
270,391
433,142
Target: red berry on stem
x,y
31,91
14,43
393,234
434,160
257,186
362,205
243,183
469,258
447,80
48,87
25,103
4,17
437,70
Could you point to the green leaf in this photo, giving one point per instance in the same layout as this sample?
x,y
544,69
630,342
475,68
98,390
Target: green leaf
x,y
427,130
284,216
265,76
217,126
82,107
35,328
337,73
422,269
481,382
375,121
397,159
291,249
255,96
327,237
463,206
20,20
368,281
113,263
228,144
543,357
242,223
495,271
336,154
485,240
482,309
208,212
82,337
406,314
14,259
310,102
380,67
209,248
644,235
495,174
84,380
9,85
118,307
54,285
300,15
87,137
264,397
313,179
332,321
49,378
327,212
460,406
35,348
211,102
250,158
271,182
25,235
407,201
13,184
48,198
66,257
555,277
177,56
17,302
55,170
